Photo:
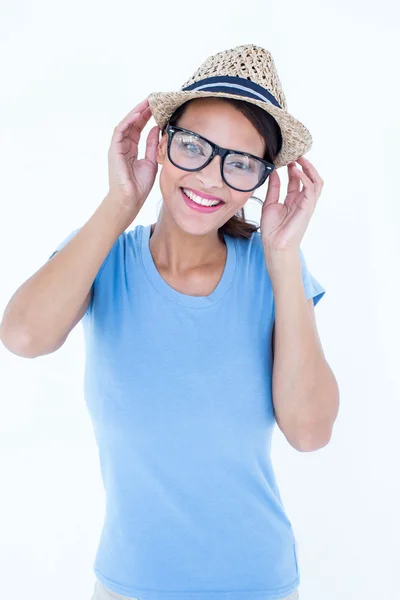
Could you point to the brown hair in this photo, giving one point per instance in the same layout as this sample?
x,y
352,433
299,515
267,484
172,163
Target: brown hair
x,y
268,128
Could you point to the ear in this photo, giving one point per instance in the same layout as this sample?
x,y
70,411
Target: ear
x,y
161,153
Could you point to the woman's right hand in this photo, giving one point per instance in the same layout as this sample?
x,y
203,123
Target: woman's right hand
x,y
130,179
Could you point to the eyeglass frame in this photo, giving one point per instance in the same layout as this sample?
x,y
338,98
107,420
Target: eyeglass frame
x,y
217,150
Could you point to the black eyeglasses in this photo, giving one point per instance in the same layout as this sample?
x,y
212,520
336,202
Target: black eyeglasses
x,y
190,151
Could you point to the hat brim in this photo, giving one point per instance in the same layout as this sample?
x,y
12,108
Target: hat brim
x,y
296,138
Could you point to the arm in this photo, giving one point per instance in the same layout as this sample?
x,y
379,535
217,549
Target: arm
x,y
305,391
41,313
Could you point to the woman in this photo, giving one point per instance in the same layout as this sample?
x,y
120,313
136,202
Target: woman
x,y
180,323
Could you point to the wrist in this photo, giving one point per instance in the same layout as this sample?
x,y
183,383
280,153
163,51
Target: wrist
x,y
280,261
116,213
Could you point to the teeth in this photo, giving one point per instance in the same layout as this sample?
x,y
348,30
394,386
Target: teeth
x,y
200,200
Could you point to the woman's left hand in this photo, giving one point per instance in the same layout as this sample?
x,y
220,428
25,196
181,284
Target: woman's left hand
x,y
282,226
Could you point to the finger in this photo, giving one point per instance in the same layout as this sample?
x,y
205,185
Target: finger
x,y
310,170
293,182
122,130
152,144
133,129
140,123
296,171
137,109
132,117
293,188
313,175
308,186
274,186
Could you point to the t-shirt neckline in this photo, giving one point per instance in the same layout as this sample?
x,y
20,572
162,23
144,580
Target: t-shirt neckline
x,y
192,301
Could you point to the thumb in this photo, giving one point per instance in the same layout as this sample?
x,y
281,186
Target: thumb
x,y
152,144
274,186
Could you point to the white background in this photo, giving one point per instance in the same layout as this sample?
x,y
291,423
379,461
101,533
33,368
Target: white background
x,y
70,72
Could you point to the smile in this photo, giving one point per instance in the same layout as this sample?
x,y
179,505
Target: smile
x,y
198,203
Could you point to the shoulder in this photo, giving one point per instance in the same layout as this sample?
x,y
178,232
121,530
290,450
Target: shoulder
x,y
125,248
252,271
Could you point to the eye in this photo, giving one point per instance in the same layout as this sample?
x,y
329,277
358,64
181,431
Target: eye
x,y
191,147
239,165
189,144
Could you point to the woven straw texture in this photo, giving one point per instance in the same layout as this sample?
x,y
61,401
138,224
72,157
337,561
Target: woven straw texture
x,y
249,62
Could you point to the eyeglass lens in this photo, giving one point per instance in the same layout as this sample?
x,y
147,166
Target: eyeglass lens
x,y
191,152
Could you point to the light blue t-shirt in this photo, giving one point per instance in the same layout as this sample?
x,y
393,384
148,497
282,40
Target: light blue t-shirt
x,y
178,388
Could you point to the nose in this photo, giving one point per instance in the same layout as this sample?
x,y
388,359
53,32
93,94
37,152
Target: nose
x,y
210,176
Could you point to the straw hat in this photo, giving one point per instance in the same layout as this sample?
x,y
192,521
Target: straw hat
x,y
247,73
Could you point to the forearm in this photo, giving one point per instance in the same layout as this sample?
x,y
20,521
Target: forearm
x,y
305,391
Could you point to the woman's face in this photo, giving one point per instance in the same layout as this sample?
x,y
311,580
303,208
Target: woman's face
x,y
224,125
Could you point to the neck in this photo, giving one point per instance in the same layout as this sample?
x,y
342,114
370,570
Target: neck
x,y
179,252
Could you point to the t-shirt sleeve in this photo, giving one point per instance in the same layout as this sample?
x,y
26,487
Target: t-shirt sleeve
x,y
312,287
65,241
